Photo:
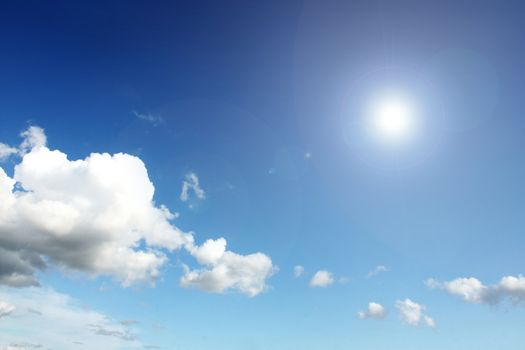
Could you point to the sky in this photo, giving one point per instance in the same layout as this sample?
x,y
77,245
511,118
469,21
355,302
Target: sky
x,y
262,175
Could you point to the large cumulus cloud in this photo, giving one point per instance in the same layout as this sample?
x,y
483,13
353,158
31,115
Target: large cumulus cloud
x,y
95,215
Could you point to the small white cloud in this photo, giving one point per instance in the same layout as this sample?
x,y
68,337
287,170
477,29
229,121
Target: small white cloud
x,y
412,313
322,279
379,269
474,291
191,183
374,310
298,271
513,287
307,155
155,120
225,270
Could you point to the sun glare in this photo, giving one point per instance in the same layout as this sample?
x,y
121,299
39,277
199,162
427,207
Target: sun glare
x,y
393,118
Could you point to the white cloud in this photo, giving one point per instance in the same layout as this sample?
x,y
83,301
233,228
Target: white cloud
x,y
155,120
374,310
470,289
474,291
33,137
6,151
89,215
6,309
412,313
66,323
225,270
514,287
191,183
379,269
298,271
322,279
96,215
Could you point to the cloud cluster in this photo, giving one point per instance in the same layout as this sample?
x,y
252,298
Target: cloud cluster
x,y
412,313
225,270
374,310
322,279
191,184
97,215
474,291
68,325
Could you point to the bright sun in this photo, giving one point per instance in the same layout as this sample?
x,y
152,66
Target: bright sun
x,y
393,118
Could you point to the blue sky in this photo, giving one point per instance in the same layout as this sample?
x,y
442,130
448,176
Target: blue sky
x,y
266,111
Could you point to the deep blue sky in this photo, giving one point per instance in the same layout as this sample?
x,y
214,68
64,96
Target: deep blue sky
x,y
245,90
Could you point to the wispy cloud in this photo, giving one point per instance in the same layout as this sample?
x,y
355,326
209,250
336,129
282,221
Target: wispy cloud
x,y
6,151
33,137
191,183
110,331
66,322
23,346
155,120
6,309
298,271
379,269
